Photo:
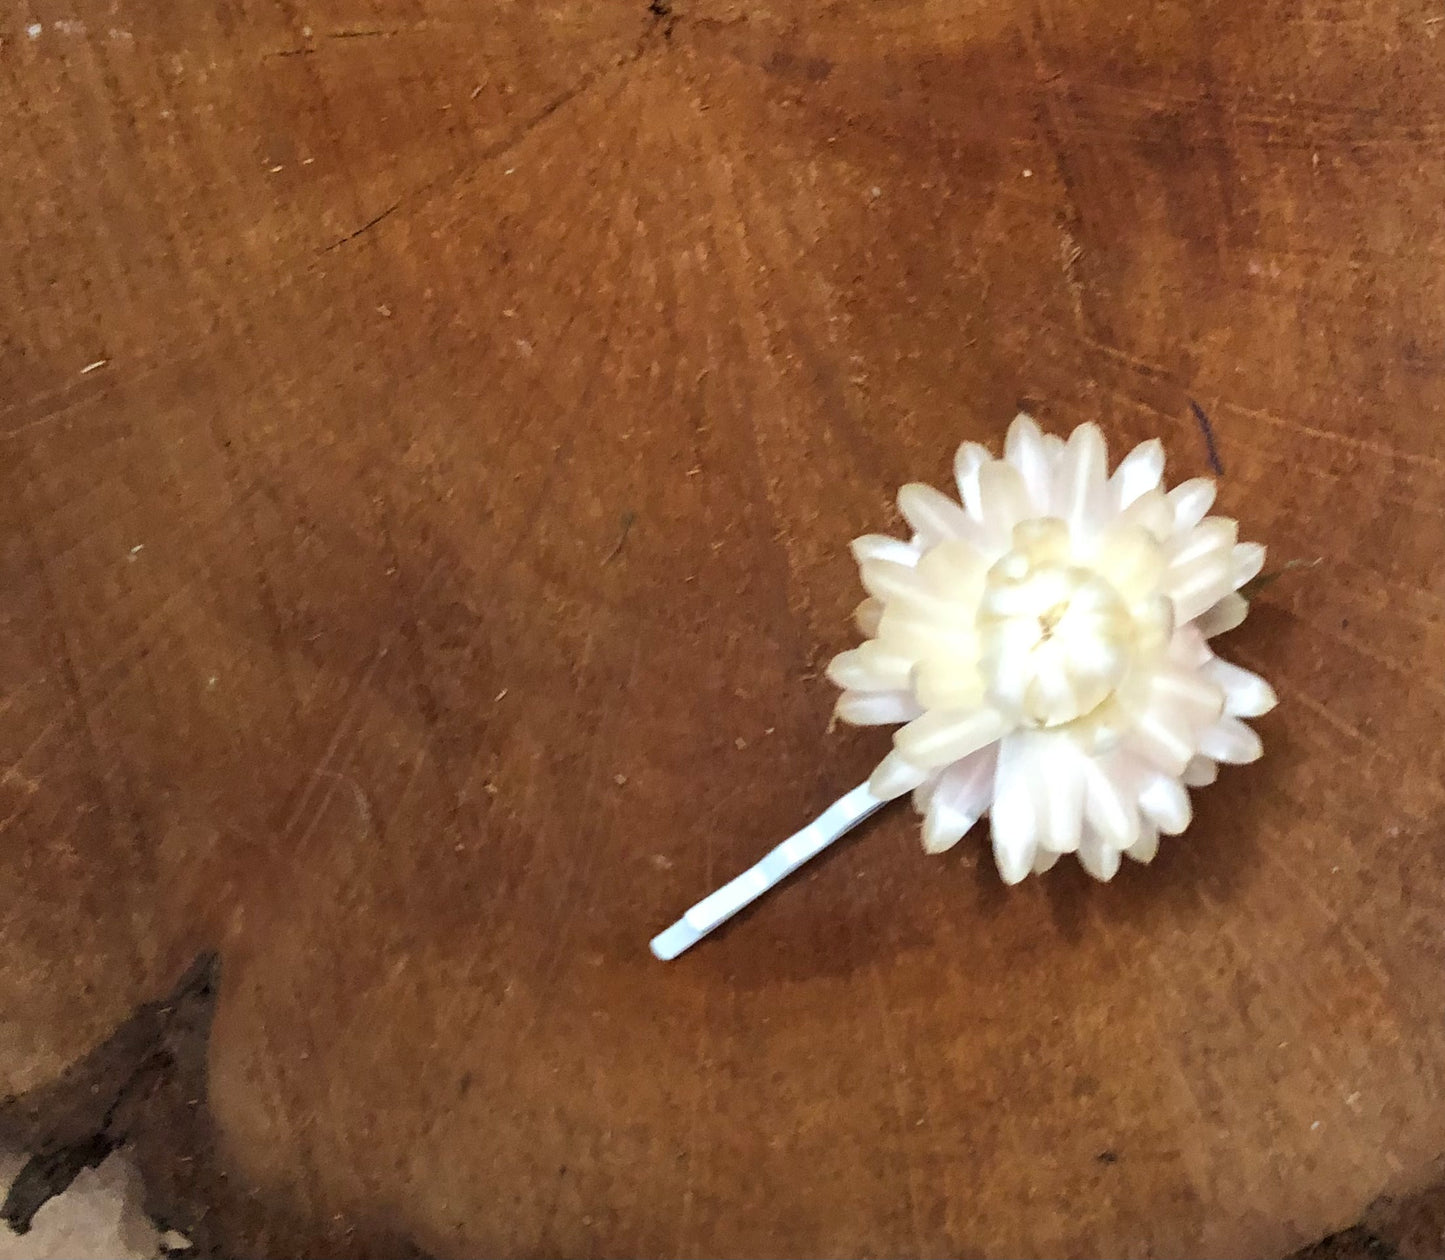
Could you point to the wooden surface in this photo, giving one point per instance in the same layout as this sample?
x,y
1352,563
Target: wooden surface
x,y
326,640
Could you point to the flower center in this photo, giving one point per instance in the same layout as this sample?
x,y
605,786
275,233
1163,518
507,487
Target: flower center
x,y
1054,637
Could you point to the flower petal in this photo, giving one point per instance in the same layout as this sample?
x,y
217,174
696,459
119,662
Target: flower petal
x,y
1053,690
888,580
1191,698
1044,539
942,681
1140,471
1197,586
1215,536
922,795
962,796
1153,511
1230,740
1003,500
1044,860
1246,695
1146,846
1165,803
1014,815
1187,648
942,736
1130,559
1025,449
1248,561
867,616
1080,483
871,667
970,458
894,776
1061,819
1109,804
1007,667
1161,739
908,631
954,571
968,782
1191,501
1098,657
1200,772
1155,627
882,547
933,514
877,708
1228,614
942,827
1098,857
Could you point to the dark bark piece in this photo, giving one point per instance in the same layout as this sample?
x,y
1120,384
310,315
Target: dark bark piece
x,y
48,1174
94,1107
1357,1243
144,1089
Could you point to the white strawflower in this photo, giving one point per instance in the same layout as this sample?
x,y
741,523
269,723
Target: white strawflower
x,y
1045,643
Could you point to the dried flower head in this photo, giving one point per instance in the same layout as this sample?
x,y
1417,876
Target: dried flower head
x,y
1046,645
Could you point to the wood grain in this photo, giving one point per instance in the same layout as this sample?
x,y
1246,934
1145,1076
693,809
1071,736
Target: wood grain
x,y
318,647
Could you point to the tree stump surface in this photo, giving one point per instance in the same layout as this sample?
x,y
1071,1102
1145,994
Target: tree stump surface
x,y
430,433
